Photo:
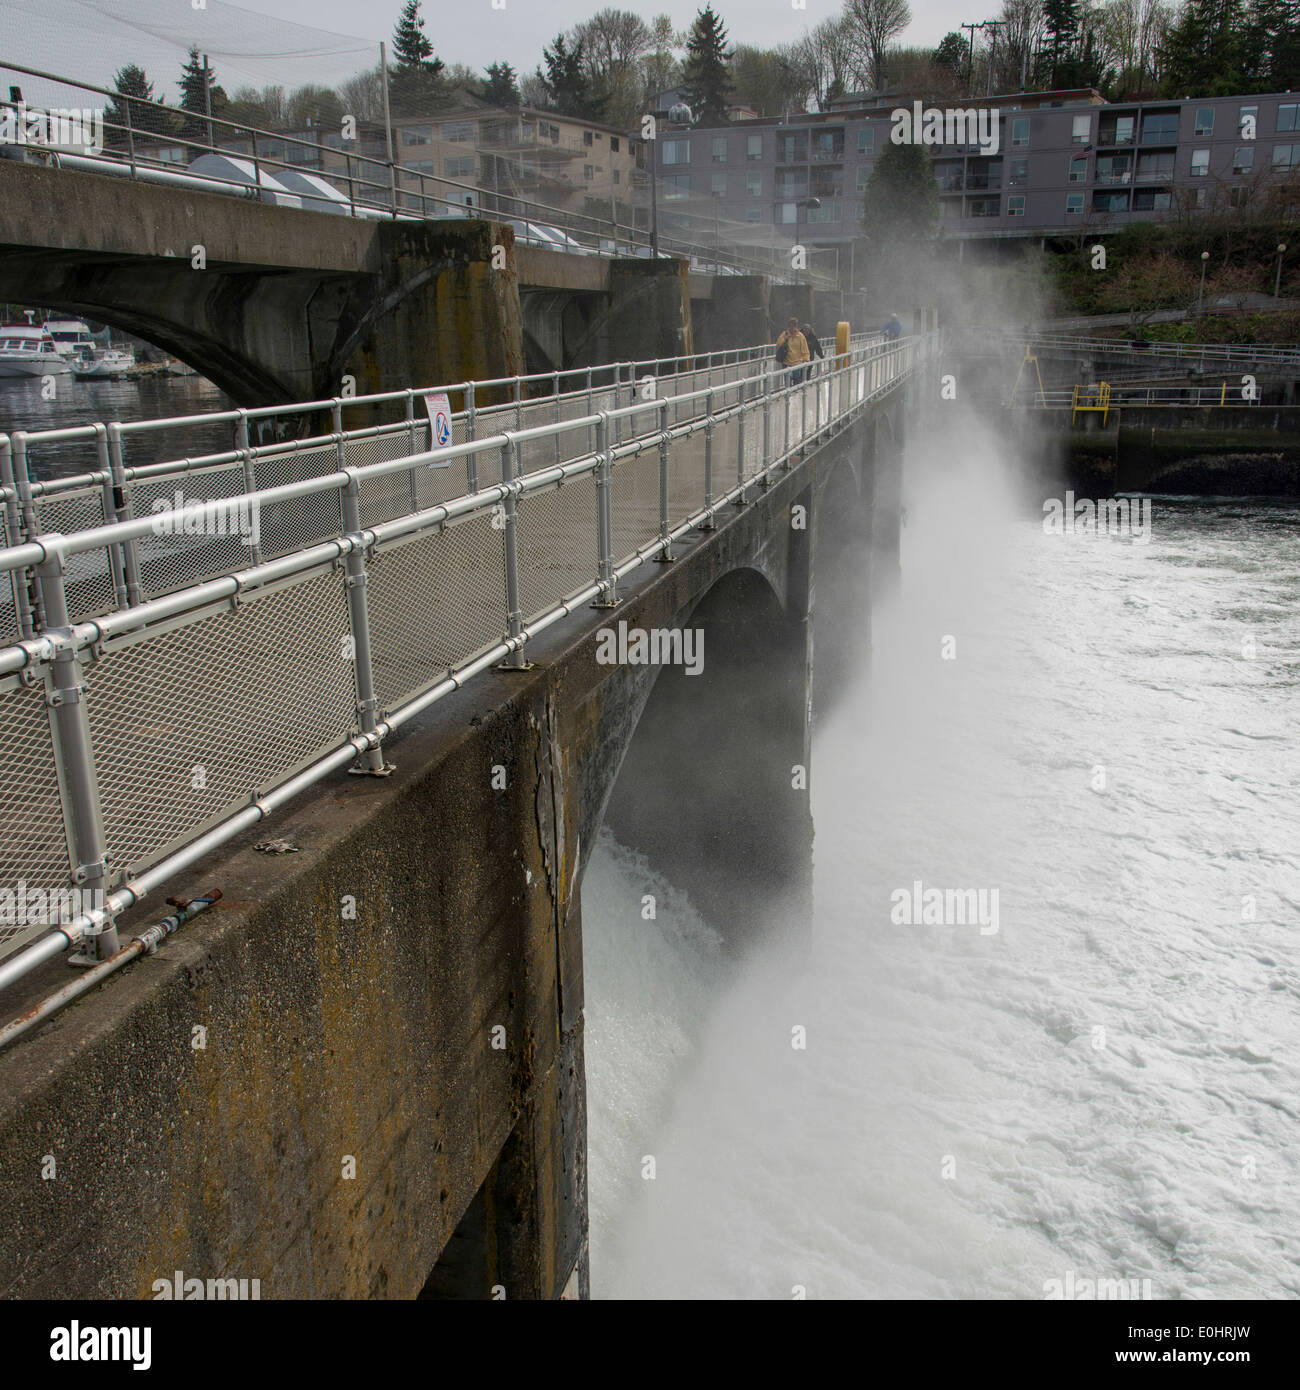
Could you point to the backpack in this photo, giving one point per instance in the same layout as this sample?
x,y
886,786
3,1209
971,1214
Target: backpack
x,y
782,351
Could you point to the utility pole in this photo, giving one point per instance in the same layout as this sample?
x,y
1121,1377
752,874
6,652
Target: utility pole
x,y
970,54
207,99
388,130
654,197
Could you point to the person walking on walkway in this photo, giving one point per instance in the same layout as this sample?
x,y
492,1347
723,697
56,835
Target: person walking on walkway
x,y
815,350
792,352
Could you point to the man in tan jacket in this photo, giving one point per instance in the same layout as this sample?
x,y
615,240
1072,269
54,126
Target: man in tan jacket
x,y
792,351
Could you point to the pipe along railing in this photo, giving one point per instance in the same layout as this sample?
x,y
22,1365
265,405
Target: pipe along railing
x,y
115,491
137,741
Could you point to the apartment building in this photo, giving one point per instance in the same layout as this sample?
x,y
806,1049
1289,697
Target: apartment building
x,y
1064,161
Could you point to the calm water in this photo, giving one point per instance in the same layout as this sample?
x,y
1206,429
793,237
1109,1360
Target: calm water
x,y
85,402
1109,1083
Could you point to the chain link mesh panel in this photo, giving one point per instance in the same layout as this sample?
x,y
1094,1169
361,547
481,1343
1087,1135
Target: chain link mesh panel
x,y
634,503
188,723
297,522
686,477
558,544
173,559
33,849
435,602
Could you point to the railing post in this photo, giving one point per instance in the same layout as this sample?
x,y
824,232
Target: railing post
x,y
514,615
250,481
708,523
14,529
471,432
741,418
764,481
125,512
371,763
665,556
605,516
410,444
559,413
65,697
109,506
130,137
519,404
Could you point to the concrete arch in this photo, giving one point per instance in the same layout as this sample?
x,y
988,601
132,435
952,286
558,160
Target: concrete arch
x,y
704,783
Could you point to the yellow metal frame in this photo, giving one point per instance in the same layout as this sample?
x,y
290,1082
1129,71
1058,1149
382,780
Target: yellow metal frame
x,y
1092,397
1028,358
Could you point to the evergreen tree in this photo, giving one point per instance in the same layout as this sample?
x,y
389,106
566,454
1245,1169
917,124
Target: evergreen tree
x,y
501,89
951,54
146,114
902,198
1271,46
416,83
706,74
1061,18
1204,51
568,86
194,98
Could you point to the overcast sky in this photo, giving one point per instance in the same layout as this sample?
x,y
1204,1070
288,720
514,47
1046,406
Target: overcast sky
x,y
471,31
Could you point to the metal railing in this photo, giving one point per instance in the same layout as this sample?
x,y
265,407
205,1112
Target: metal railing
x,y
137,741
373,187
1224,393
1281,354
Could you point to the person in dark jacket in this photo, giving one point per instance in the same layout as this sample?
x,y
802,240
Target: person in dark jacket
x,y
814,347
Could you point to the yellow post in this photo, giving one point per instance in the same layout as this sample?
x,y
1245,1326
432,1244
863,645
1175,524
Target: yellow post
x,y
842,342
1223,395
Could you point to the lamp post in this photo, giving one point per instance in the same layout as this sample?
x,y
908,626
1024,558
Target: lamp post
x,y
1200,298
1277,281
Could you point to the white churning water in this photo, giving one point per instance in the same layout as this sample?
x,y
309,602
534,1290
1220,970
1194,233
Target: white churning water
x,y
1111,1078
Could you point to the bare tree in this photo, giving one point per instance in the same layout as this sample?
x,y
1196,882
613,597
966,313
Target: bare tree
x,y
823,56
363,95
869,26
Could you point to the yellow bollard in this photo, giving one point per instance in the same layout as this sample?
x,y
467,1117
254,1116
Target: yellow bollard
x,y
842,342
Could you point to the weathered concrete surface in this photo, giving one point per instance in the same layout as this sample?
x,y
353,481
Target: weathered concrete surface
x,y
733,314
650,310
285,303
331,1041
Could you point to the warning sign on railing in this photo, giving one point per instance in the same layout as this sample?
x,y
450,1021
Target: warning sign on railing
x,y
439,408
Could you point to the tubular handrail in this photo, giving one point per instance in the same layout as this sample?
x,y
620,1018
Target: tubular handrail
x,y
760,421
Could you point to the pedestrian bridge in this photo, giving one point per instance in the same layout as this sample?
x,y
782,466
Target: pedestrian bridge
x,y
358,692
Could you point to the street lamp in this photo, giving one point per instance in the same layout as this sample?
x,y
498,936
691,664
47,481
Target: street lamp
x,y
1200,299
1277,283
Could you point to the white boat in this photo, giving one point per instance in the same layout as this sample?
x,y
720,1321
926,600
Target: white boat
x,y
26,349
72,337
111,364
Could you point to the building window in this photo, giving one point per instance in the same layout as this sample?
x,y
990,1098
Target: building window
x,y
425,166
457,168
677,151
792,149
1200,163
417,135
1244,160
1018,171
985,207
719,149
1020,130
588,137
786,213
1079,169
1205,120
1152,199
1286,156
829,211
1109,202
617,175
1286,117
1116,130
753,214
588,172
1247,119
864,176
677,186
458,132
754,147
1074,202
1113,168
862,210
719,183
1160,129
1082,131
614,146
1156,166
867,140
1016,205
